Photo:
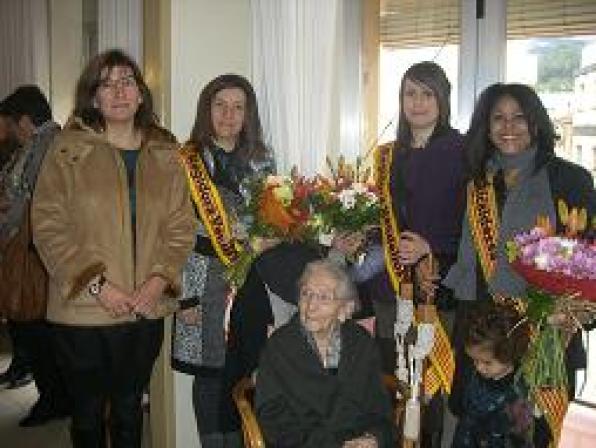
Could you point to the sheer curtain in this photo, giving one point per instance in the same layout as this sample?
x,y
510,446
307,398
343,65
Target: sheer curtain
x,y
24,49
120,25
293,70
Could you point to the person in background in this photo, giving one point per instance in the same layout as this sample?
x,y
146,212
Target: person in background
x,y
509,153
22,275
18,373
224,152
7,143
319,382
113,223
490,400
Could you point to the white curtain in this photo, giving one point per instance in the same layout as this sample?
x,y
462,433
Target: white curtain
x,y
24,44
293,69
349,88
120,25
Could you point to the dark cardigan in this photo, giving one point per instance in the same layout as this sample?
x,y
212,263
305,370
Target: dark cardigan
x,y
428,193
573,184
299,403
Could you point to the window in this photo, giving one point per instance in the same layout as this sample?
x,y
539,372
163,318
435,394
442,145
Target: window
x,y
552,46
578,153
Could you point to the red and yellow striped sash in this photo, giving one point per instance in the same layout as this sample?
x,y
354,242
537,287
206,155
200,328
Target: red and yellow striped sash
x,y
442,361
389,225
484,224
553,403
210,206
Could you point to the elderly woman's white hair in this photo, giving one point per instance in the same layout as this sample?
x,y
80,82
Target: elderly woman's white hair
x,y
345,288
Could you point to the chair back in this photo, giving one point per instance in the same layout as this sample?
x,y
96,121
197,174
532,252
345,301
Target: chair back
x,y
243,394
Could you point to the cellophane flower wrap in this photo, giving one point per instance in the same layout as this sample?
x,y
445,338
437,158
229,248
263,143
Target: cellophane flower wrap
x,y
280,207
276,207
347,201
561,273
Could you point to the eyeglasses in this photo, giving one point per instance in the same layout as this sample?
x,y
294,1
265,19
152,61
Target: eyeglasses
x,y
324,297
124,83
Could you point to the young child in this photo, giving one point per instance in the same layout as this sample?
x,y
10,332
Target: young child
x,y
487,397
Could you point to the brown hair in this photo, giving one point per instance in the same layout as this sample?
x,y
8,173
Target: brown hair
x,y
90,80
498,328
250,145
431,75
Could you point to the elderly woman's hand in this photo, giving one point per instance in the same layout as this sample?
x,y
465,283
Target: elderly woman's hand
x,y
365,441
411,248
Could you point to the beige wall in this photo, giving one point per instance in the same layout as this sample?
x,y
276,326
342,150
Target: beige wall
x,y
208,38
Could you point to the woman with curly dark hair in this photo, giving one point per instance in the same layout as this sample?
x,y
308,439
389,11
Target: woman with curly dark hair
x,y
515,177
509,154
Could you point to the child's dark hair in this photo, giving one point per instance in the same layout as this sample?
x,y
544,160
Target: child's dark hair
x,y
498,328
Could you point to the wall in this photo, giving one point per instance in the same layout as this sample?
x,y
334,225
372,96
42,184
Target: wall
x,y
208,38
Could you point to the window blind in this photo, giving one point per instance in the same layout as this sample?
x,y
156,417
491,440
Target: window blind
x,y
424,23
550,18
419,23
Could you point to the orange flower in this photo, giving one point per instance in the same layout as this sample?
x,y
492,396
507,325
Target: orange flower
x,y
273,213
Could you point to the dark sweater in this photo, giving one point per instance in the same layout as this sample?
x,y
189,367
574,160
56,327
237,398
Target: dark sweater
x,y
428,191
300,404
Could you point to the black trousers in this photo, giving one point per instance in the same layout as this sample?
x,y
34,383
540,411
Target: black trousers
x,y
106,370
35,339
20,356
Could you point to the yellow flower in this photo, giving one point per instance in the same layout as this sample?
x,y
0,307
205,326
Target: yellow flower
x,y
284,194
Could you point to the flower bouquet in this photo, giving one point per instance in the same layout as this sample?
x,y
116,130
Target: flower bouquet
x,y
345,202
275,208
561,272
279,207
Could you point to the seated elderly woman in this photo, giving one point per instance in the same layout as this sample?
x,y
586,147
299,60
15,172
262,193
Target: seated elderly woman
x,y
319,382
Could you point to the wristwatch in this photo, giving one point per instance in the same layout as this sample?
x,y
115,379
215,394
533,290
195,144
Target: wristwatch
x,y
96,285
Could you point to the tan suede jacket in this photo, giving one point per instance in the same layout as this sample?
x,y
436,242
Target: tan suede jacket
x,y
82,224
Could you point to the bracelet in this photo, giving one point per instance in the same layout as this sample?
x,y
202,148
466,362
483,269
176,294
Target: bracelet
x,y
96,285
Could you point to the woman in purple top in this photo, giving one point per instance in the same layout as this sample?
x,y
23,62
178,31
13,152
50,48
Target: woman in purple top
x,y
427,191
427,181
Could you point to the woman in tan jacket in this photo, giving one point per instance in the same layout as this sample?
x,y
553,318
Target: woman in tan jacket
x,y
113,222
